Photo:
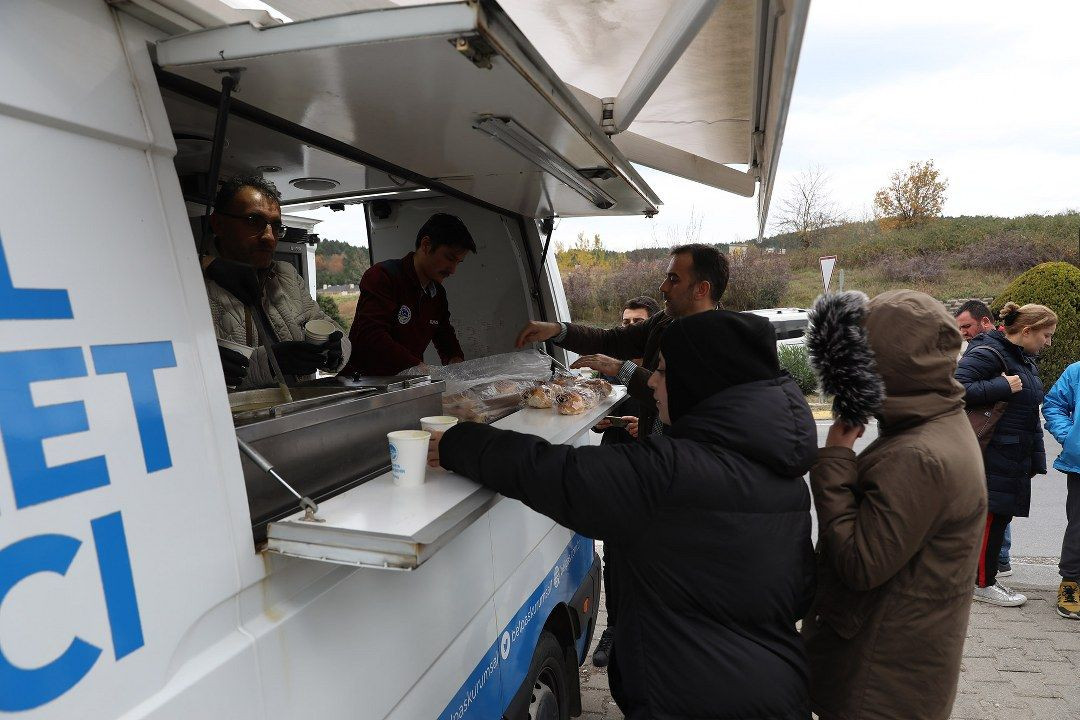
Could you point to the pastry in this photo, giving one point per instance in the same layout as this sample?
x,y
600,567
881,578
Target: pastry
x,y
540,396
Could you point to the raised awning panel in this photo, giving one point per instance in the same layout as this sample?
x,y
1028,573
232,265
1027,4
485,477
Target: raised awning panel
x,y
395,84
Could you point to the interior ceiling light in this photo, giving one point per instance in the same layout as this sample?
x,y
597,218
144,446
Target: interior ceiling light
x,y
266,169
314,184
529,147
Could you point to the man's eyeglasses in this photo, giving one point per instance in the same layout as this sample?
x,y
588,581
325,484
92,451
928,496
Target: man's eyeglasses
x,y
257,223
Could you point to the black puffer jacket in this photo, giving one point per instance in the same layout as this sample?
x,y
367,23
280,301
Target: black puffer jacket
x,y
1016,452
713,527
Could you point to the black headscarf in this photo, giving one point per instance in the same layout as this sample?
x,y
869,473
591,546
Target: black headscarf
x,y
712,351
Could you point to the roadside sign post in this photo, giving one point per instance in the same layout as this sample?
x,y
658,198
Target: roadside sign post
x,y
827,264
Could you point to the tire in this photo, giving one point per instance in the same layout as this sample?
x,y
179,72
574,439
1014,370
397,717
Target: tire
x,y
550,698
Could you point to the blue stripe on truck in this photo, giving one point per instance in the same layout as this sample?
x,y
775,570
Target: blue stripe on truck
x,y
499,673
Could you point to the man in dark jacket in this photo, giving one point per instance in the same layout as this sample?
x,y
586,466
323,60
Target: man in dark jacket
x,y
403,307
696,278
712,521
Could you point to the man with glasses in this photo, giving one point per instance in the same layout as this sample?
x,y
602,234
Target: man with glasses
x,y
249,291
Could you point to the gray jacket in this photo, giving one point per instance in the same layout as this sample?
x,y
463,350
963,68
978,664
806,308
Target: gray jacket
x,y
289,306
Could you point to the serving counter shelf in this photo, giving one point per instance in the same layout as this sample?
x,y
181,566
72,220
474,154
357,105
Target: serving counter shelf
x,y
378,524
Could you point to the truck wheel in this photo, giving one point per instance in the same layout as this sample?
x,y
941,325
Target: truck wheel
x,y
547,676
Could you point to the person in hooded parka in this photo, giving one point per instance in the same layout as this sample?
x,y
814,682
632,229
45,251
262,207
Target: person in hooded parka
x,y
711,519
899,530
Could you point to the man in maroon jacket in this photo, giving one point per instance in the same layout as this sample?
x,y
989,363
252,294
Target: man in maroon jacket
x,y
403,305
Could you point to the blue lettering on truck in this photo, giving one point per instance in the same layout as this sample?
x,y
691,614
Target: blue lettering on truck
x,y
510,655
24,426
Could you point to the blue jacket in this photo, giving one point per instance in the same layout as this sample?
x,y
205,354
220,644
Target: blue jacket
x,y
1015,452
1062,420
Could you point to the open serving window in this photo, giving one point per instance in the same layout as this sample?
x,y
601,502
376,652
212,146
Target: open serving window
x,y
451,97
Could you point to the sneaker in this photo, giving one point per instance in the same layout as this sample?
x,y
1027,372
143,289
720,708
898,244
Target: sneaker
x,y
1068,605
998,594
602,654
1004,569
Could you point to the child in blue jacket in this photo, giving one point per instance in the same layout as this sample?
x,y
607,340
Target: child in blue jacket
x,y
1063,422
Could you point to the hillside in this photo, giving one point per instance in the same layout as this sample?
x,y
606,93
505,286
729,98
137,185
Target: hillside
x,y
946,257
958,257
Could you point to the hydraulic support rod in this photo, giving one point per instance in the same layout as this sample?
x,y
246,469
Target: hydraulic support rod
x,y
676,31
229,81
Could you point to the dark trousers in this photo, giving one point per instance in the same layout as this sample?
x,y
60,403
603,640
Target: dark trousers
x,y
993,534
1069,567
611,584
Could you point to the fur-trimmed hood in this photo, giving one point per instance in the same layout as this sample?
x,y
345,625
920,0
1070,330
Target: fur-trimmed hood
x,y
915,342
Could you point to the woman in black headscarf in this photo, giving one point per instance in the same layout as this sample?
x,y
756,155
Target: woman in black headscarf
x,y
711,519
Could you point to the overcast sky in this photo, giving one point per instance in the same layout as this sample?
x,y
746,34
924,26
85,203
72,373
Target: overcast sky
x,y
987,89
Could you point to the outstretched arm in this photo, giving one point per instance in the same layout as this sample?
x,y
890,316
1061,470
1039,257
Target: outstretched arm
x,y
606,492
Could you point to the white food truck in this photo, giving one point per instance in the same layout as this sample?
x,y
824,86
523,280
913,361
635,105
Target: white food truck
x,y
147,568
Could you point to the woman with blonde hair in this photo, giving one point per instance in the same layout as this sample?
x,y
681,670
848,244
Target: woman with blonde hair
x,y
1000,366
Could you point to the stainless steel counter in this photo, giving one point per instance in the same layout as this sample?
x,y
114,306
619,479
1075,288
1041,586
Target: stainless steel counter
x,y
328,443
379,524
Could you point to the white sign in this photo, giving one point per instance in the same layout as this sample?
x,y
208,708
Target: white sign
x,y
827,264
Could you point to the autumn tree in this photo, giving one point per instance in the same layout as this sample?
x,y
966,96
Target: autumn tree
x,y
912,196
808,207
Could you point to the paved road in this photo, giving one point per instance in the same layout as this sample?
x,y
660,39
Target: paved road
x,y
1019,664
1037,538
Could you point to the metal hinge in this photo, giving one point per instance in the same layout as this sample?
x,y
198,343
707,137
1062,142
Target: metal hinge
x,y
607,115
476,49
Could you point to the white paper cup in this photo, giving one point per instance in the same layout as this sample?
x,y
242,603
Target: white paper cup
x,y
408,456
438,423
318,330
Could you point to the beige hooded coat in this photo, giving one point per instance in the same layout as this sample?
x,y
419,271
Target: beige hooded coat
x,y
899,531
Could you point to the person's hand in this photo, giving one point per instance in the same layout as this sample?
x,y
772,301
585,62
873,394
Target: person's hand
x,y
536,332
433,449
601,426
298,357
332,348
235,366
600,363
1015,383
843,435
238,279
631,425
455,360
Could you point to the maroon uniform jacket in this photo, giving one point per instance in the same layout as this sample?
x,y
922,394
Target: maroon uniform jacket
x,y
395,320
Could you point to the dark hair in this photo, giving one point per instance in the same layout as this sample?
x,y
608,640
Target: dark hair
x,y
977,308
710,265
445,229
643,302
230,187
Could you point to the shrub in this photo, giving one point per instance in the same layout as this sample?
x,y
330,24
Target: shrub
x,y
1010,251
1057,286
758,280
921,268
796,361
328,306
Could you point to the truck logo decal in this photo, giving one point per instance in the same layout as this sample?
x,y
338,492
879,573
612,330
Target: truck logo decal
x,y
511,653
24,428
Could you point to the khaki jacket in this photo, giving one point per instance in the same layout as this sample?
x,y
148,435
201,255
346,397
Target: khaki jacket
x,y
899,532
289,307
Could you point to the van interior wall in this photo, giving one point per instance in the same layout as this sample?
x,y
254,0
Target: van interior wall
x,y
489,293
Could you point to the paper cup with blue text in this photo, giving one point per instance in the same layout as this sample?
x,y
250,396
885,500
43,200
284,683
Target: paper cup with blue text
x,y
408,456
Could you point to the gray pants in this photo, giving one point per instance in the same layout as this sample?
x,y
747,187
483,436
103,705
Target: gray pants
x,y
1070,545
